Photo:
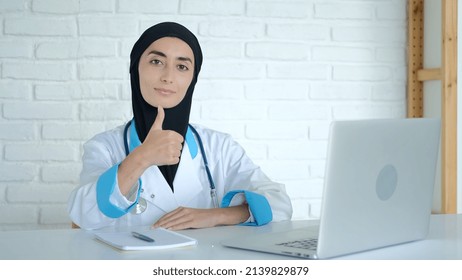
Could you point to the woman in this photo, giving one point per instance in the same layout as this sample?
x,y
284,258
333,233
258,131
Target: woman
x,y
152,170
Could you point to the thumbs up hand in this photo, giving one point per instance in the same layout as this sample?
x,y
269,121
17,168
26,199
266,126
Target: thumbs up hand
x,y
162,147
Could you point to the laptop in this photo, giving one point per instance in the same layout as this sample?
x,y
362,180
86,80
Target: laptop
x,y
378,191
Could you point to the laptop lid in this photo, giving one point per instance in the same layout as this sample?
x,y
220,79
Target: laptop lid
x,y
378,189
379,184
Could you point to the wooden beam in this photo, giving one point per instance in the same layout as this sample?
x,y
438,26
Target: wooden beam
x,y
415,59
429,74
449,106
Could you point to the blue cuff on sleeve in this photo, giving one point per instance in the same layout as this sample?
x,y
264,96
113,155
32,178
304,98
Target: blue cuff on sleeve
x,y
258,204
104,188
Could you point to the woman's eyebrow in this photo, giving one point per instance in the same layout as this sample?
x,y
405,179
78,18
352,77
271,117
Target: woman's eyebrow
x,y
186,59
181,58
157,53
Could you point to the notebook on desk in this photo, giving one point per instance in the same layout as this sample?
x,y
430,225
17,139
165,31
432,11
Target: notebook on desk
x,y
152,239
378,191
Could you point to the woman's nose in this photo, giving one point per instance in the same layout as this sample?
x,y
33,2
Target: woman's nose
x,y
167,75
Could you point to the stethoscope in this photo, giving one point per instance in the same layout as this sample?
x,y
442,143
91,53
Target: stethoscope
x,y
141,205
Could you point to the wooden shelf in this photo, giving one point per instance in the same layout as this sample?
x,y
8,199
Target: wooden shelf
x,y
448,76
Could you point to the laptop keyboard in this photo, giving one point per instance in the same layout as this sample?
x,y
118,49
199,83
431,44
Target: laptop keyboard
x,y
309,244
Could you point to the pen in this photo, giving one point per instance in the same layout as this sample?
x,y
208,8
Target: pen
x,y
142,237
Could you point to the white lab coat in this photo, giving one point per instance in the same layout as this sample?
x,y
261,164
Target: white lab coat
x,y
230,167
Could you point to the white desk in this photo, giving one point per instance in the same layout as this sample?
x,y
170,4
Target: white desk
x,y
443,242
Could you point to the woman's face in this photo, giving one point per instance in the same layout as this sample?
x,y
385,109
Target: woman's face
x,y
166,69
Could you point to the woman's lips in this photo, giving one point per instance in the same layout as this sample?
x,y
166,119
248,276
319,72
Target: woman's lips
x,y
164,91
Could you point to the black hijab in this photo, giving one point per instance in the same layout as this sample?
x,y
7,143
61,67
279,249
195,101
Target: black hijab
x,y
176,118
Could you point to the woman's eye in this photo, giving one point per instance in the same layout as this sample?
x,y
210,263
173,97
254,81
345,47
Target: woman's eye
x,y
156,62
183,67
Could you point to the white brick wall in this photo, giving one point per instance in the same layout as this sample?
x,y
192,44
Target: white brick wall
x,y
275,74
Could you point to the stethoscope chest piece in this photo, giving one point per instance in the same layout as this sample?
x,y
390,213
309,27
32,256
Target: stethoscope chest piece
x,y
140,206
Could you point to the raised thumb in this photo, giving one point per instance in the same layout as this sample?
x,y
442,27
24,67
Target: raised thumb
x,y
157,125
